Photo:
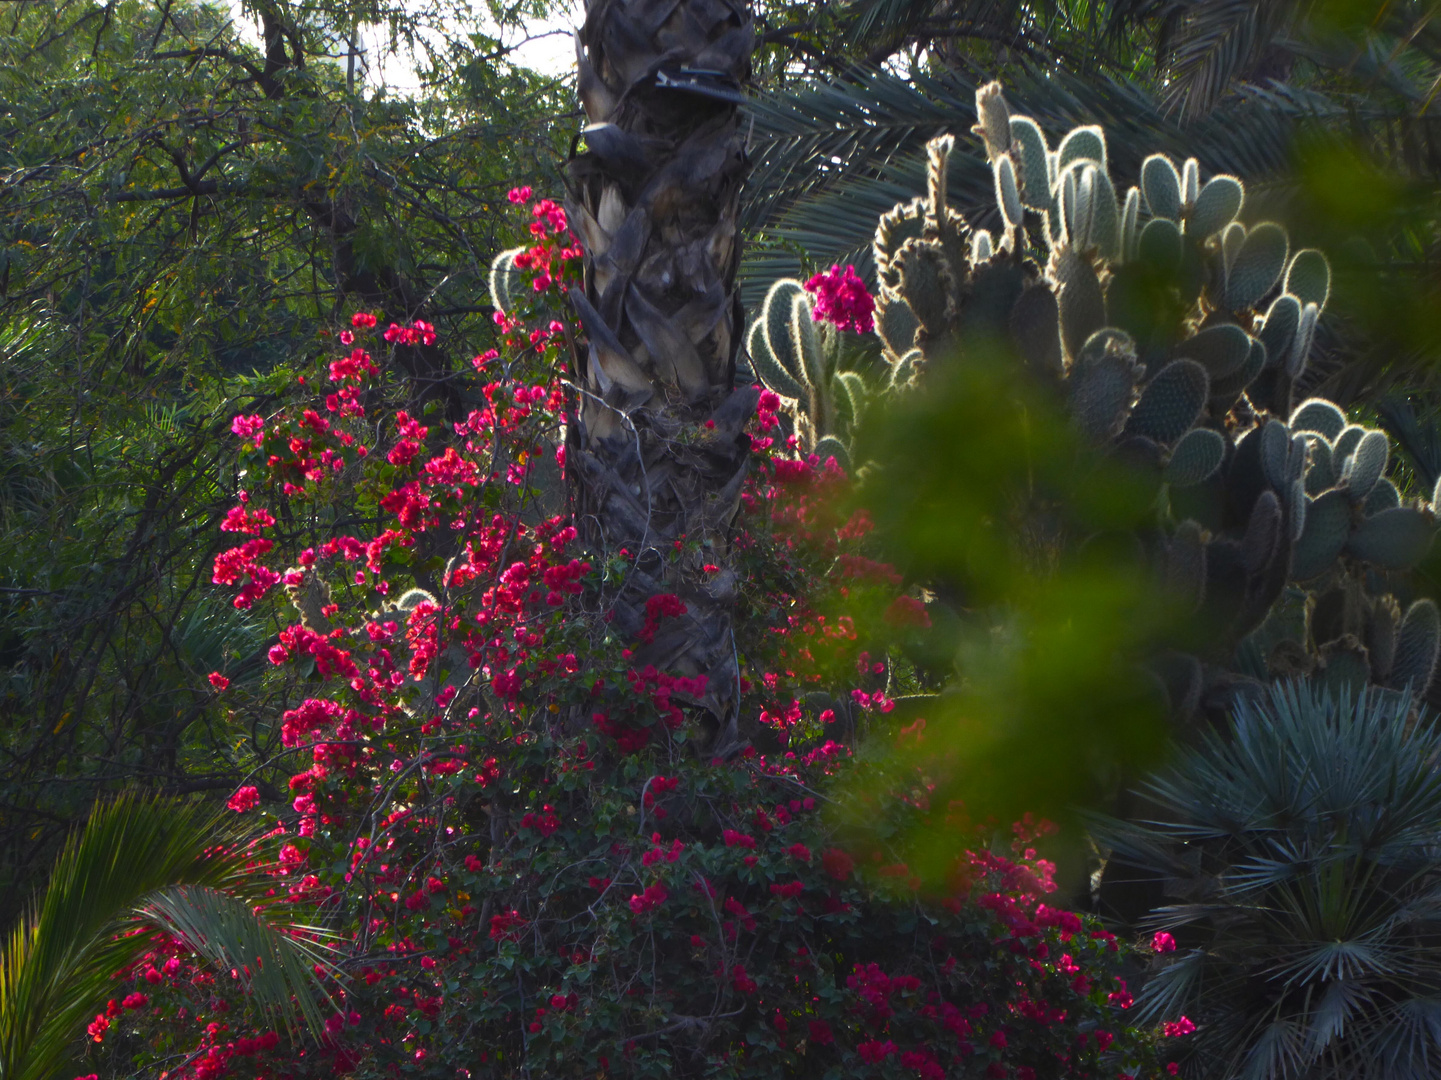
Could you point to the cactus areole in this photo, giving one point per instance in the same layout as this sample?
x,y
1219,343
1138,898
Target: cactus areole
x,y
656,454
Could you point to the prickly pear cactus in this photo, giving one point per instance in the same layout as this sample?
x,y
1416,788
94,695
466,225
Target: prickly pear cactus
x,y
799,358
1176,333
1355,531
1169,264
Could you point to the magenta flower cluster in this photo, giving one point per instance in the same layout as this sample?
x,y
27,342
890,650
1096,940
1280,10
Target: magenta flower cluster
x,y
842,300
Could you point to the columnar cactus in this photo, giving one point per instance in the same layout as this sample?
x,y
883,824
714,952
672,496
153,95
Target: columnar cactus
x,y
1176,333
798,358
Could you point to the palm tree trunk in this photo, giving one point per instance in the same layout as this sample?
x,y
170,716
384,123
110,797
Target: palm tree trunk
x,y
657,456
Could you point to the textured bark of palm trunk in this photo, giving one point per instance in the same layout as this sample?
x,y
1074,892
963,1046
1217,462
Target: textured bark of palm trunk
x,y
657,455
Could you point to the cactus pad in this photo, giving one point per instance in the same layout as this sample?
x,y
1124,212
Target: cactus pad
x,y
1185,566
1216,206
1220,349
1160,245
906,221
1278,330
1008,193
1320,416
1082,144
1257,265
776,326
1262,538
1190,182
1225,389
1161,186
1105,235
1171,402
983,248
993,119
1417,645
897,324
1195,458
926,282
1130,230
1296,365
1395,539
1030,150
1103,384
769,371
1328,524
1321,473
1275,450
1082,305
1383,496
831,447
1036,328
1366,464
806,341
1309,277
1346,442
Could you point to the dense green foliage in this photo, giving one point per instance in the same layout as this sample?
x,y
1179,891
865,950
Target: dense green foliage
x,y
179,210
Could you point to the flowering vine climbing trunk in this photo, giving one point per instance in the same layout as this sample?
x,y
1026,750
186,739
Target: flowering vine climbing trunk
x,y
657,455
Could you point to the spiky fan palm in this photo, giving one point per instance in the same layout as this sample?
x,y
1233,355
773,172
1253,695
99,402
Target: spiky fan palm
x,y
144,864
1302,855
657,454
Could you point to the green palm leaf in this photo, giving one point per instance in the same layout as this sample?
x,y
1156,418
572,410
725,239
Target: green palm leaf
x,y
141,863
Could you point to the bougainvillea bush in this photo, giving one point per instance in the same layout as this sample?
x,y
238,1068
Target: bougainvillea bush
x,y
535,864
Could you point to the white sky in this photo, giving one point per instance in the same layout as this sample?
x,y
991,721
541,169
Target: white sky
x,y
550,50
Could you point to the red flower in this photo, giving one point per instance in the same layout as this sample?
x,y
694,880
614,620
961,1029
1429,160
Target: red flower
x,y
219,681
506,926
246,798
873,1052
649,900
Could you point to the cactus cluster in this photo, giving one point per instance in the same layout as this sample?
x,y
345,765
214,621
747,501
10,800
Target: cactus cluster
x,y
1175,334
799,358
1341,526
1354,528
1166,274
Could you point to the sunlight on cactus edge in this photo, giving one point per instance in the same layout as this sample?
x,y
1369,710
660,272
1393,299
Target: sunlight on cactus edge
x,y
1086,449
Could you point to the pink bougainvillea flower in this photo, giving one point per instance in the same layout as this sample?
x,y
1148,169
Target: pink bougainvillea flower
x,y
841,299
246,798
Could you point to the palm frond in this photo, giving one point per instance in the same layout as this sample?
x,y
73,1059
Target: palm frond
x,y
134,853
1215,44
277,966
1418,433
1342,1000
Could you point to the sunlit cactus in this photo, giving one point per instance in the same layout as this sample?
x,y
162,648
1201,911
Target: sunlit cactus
x,y
799,358
1175,332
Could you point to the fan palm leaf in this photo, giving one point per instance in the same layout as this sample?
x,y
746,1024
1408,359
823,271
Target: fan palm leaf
x,y
1303,848
144,864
